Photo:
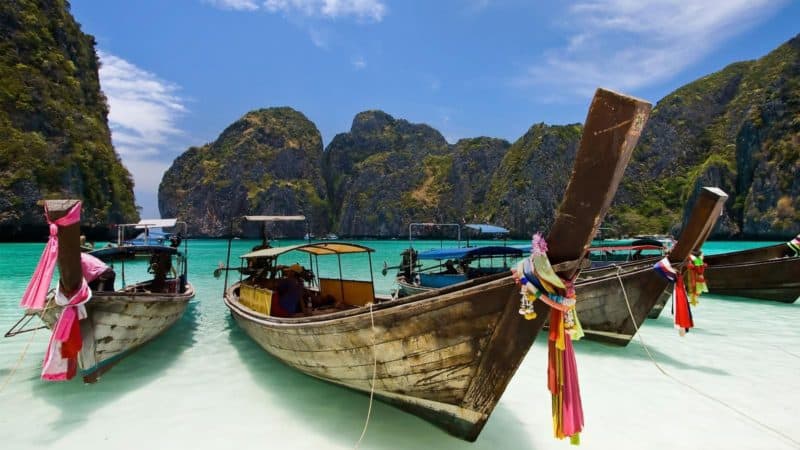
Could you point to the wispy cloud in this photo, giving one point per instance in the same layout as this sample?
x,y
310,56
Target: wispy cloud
x,y
358,62
365,10
143,114
236,5
628,44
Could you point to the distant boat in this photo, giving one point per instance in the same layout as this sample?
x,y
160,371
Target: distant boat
x,y
330,237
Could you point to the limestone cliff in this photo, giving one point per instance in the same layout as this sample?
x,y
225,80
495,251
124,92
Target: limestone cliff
x,y
54,135
267,162
738,129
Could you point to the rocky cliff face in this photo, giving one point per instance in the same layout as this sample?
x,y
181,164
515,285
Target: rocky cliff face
x,y
527,187
737,129
267,162
383,174
54,136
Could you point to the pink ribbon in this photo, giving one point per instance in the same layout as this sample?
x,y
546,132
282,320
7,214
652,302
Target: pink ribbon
x,y
61,359
36,292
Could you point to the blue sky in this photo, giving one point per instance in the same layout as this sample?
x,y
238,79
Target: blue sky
x,y
177,72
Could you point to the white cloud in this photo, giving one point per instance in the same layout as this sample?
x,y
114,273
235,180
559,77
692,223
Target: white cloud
x,y
143,114
628,44
366,10
237,5
358,62
369,10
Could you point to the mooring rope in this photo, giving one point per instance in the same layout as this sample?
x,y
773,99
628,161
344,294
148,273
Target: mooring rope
x,y
779,433
24,353
374,375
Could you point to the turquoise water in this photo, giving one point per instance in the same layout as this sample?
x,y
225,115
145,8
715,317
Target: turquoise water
x,y
205,384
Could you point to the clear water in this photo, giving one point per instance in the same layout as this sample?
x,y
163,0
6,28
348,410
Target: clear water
x,y
205,384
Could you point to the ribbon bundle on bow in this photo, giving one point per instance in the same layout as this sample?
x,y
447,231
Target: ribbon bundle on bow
x,y
538,281
794,244
60,362
680,302
697,279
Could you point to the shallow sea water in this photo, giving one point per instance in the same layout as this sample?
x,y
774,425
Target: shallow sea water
x,y
205,385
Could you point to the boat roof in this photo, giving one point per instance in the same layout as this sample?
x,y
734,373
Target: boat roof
x,y
128,250
274,218
463,252
315,248
157,223
486,228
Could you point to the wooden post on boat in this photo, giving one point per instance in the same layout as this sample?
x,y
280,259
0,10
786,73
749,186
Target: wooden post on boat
x,y
612,129
69,246
705,213
613,125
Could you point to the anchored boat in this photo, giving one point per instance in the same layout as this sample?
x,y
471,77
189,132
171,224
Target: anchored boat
x,y
767,273
98,324
448,355
615,300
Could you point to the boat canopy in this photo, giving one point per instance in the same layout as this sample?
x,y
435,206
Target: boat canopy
x,y
464,252
156,223
486,228
316,248
274,218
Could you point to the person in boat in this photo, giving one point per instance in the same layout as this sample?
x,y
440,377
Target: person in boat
x,y
289,297
175,240
450,267
98,275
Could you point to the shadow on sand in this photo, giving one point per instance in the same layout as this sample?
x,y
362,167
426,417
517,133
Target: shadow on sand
x,y
77,400
339,413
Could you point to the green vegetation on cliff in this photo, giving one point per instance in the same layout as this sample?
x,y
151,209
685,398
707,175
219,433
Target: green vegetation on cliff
x,y
738,129
54,136
267,162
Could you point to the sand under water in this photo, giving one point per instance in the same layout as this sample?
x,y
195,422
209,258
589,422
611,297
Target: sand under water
x,y
734,382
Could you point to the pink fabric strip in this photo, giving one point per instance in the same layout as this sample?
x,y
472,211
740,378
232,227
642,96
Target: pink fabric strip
x,y
55,366
35,293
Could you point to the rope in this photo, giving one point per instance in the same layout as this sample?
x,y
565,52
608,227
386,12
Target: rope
x,y
779,433
24,353
374,375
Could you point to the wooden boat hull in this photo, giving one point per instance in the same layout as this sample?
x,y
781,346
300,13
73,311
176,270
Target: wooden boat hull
x,y
765,273
773,279
433,350
405,289
119,322
604,300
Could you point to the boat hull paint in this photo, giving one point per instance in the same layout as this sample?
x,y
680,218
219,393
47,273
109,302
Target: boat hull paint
x,y
119,322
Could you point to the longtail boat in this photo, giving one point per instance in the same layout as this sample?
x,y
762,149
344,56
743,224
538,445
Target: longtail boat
x,y
768,273
448,355
116,322
615,300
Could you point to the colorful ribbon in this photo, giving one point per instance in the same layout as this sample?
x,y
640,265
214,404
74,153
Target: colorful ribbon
x,y
681,310
36,292
538,281
794,244
61,359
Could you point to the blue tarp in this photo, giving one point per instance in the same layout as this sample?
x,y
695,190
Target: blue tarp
x,y
486,228
463,252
